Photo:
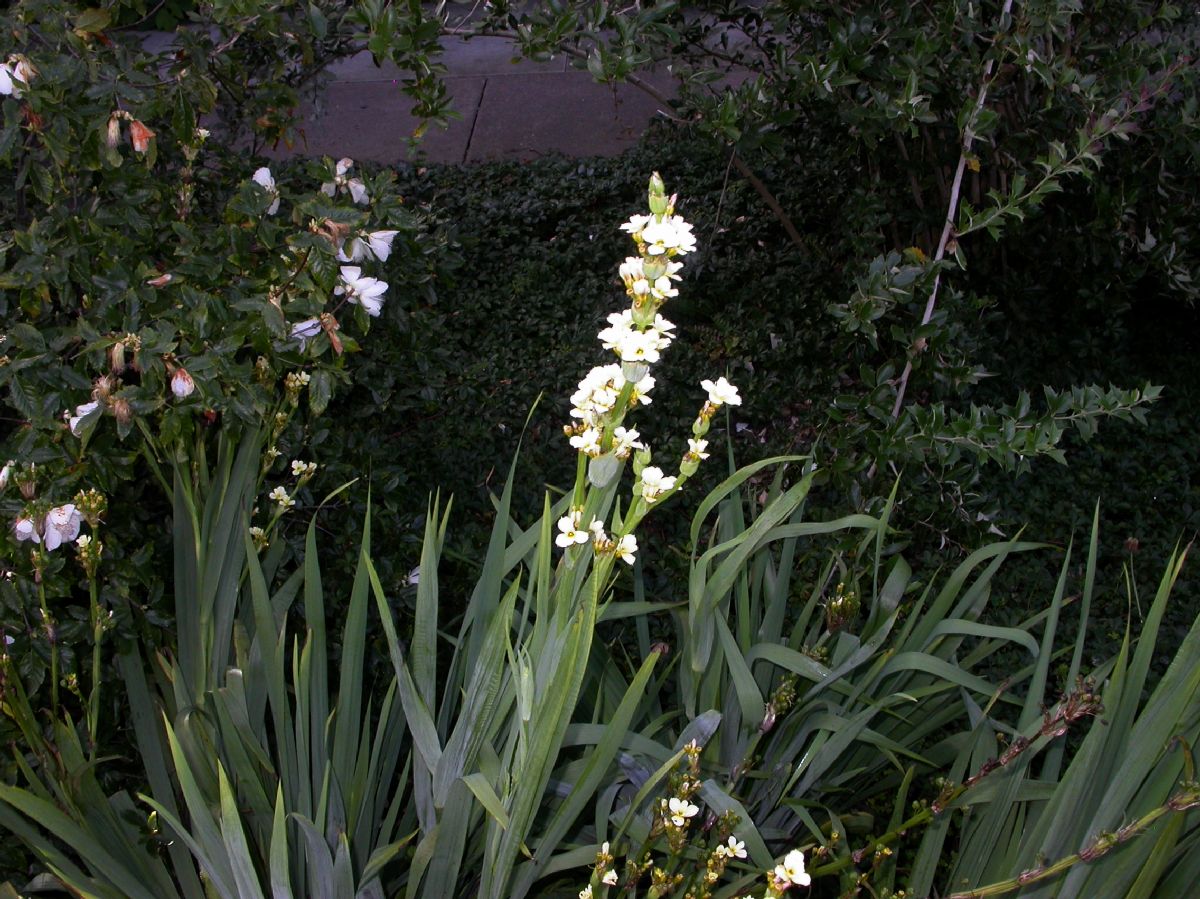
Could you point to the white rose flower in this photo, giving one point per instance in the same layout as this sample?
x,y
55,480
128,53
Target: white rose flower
x,y
306,330
13,79
721,392
361,290
25,529
376,245
61,525
263,178
81,412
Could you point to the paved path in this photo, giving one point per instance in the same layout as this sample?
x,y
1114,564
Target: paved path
x,y
508,110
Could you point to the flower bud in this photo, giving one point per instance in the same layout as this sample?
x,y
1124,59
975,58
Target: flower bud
x,y
116,357
6,474
640,460
182,384
657,188
122,411
140,136
27,481
112,135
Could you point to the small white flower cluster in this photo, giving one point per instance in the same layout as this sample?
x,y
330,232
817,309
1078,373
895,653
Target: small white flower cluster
x,y
572,533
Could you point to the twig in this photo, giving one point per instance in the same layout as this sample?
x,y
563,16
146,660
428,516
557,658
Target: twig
x,y
769,198
968,139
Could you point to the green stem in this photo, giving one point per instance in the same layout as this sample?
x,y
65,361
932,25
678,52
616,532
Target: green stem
x,y
1104,842
93,725
48,624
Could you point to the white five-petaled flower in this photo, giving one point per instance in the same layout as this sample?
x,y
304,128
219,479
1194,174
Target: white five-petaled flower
x,y
83,541
280,496
375,245
626,548
680,810
721,392
24,528
570,533
791,870
306,330
361,290
735,848
357,190
182,384
81,412
586,892
264,179
697,448
655,483
303,469
61,526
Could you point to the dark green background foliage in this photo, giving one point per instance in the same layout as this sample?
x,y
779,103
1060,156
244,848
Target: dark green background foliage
x,y
1076,266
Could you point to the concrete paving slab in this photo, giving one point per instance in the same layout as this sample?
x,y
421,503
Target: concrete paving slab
x,y
532,115
372,121
477,56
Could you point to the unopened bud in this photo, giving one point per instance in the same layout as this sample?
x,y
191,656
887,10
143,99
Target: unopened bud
x,y
116,357
112,135
182,384
122,411
6,474
140,136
